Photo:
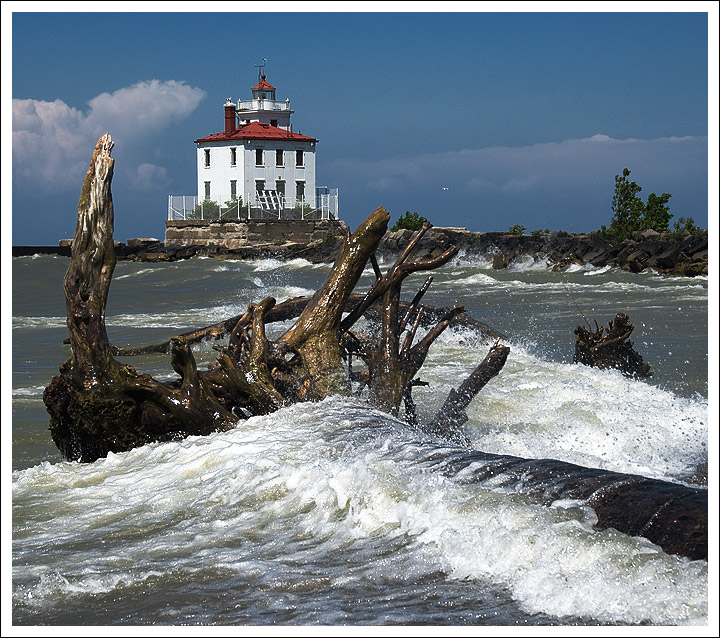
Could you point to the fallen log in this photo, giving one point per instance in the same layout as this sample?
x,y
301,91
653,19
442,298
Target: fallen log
x,y
673,516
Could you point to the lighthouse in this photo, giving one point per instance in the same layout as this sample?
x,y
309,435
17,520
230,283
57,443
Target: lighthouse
x,y
257,160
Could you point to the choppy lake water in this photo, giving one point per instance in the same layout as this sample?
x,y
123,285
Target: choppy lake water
x,y
334,513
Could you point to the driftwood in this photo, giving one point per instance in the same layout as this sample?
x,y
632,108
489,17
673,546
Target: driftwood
x,y
291,309
98,405
611,350
673,516
452,416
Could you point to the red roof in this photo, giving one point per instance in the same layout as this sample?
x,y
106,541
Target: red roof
x,y
257,131
262,84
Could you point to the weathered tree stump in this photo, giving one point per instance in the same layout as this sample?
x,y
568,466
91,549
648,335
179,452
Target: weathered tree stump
x,y
97,405
611,350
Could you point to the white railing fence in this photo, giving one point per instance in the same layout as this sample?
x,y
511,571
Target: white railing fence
x,y
265,205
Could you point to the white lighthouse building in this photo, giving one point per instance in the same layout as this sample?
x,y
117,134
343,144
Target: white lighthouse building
x,y
256,161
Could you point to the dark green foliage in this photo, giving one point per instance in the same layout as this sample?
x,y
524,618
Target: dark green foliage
x,y
631,215
657,212
234,209
411,221
686,225
300,211
516,229
207,209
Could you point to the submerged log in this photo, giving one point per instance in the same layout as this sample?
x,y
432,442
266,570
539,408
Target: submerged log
x,y
611,350
673,516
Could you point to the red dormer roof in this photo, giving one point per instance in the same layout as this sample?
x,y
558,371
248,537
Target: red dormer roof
x,y
257,131
262,84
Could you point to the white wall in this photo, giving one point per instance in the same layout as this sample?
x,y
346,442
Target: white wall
x,y
220,172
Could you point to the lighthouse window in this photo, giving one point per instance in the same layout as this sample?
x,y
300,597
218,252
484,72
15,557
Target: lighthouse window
x,y
259,184
233,189
207,157
299,158
300,191
259,157
279,158
273,122
233,156
207,190
280,187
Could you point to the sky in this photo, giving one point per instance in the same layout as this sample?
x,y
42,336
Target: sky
x,y
480,119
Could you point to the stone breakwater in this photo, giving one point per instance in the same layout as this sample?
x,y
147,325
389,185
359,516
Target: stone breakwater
x,y
677,254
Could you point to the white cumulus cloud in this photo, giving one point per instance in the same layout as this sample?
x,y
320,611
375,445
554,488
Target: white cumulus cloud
x,y
52,141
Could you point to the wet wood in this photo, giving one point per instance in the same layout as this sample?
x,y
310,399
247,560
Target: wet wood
x,y
612,349
448,421
673,516
291,309
96,404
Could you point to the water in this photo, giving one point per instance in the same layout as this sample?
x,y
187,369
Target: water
x,y
337,514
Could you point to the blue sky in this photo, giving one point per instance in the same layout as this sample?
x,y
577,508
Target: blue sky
x,y
524,117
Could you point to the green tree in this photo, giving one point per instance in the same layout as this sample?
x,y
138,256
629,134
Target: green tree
x,y
630,214
411,221
657,212
627,207
686,225
516,229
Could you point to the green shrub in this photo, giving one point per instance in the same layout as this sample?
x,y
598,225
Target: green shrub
x,y
516,229
409,221
207,209
300,210
234,209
